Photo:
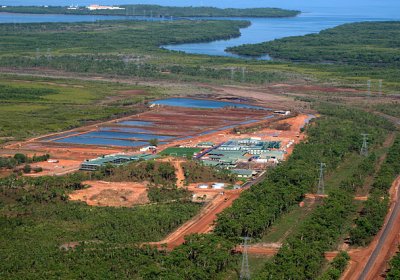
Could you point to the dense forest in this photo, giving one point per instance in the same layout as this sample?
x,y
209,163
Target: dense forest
x,y
366,43
37,221
375,208
157,11
394,271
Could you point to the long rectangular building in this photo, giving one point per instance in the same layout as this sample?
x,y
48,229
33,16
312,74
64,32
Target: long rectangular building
x,y
95,164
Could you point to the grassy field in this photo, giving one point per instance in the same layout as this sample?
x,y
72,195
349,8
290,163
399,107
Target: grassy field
x,y
287,224
62,104
180,152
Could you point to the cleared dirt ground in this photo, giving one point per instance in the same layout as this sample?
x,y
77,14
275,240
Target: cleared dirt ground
x,y
101,193
63,166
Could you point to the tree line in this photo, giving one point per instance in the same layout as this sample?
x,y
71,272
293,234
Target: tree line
x,y
372,216
18,159
158,11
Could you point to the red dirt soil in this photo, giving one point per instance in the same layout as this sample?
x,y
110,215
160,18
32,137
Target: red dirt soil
x,y
114,194
270,249
63,166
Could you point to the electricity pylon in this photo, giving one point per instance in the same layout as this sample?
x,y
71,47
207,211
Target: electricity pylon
x,y
364,147
321,183
369,87
245,271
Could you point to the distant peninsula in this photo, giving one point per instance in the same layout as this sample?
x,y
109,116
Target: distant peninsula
x,y
152,11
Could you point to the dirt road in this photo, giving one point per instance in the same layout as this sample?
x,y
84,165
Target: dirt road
x,y
262,249
202,223
371,262
179,173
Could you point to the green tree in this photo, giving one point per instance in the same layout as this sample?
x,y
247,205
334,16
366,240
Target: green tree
x,y
20,158
153,142
27,168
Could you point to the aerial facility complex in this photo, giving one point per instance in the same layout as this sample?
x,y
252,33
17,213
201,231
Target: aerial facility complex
x,y
225,135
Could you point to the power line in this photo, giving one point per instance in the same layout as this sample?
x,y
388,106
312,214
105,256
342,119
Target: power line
x,y
321,183
364,147
245,270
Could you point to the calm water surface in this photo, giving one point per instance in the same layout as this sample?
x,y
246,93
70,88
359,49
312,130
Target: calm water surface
x,y
101,141
316,16
203,103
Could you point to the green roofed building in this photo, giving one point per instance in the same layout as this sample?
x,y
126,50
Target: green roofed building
x,y
180,152
249,145
95,164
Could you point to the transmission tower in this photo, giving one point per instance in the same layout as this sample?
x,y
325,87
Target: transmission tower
x,y
380,86
48,54
364,147
245,271
37,53
369,87
243,74
321,183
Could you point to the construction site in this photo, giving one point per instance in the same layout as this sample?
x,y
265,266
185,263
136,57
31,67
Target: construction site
x,y
244,139
129,138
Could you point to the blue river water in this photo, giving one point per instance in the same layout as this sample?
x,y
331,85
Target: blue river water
x,y
316,16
